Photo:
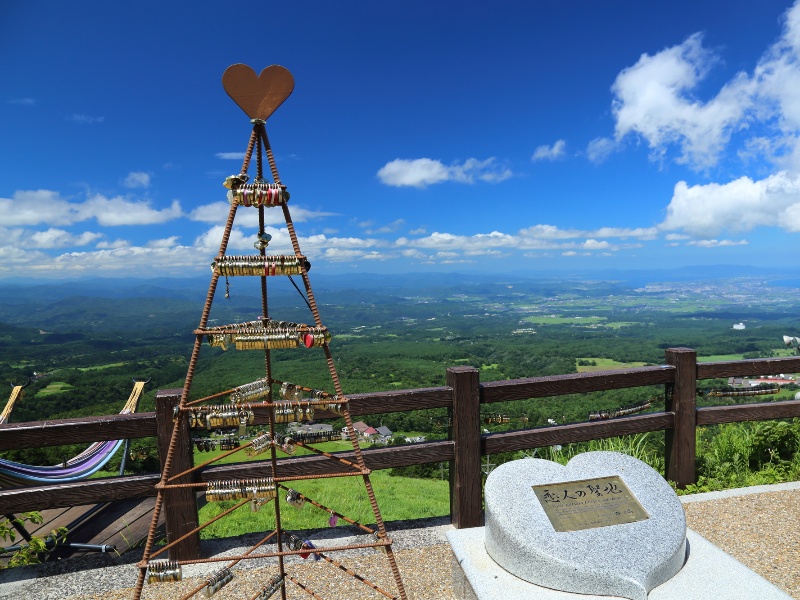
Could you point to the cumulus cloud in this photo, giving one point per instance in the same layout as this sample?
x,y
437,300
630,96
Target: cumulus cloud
x,y
554,152
137,179
33,207
592,244
209,241
114,244
58,238
422,172
654,99
121,211
716,243
169,242
551,232
217,212
36,207
737,206
348,254
539,237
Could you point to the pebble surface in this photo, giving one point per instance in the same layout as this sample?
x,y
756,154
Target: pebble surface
x,y
761,530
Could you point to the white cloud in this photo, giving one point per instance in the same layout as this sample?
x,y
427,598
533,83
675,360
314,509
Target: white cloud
x,y
33,207
137,179
552,238
169,242
344,254
596,244
422,172
22,101
642,233
411,253
217,212
554,152
36,207
389,228
716,243
737,206
121,211
115,244
654,99
551,232
210,240
230,155
86,119
599,149
417,173
58,238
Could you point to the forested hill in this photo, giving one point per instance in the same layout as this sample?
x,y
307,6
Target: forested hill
x,y
86,339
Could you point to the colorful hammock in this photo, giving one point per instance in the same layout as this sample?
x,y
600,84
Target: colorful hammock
x,y
88,462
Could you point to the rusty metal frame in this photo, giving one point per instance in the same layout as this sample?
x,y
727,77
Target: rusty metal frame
x,y
236,81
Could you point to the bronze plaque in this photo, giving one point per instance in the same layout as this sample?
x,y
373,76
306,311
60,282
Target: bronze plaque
x,y
589,503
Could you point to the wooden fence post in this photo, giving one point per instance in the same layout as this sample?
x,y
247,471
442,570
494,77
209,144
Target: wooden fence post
x,y
680,449
180,505
465,469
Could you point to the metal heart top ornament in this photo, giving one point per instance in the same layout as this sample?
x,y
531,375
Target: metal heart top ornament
x,y
258,95
605,524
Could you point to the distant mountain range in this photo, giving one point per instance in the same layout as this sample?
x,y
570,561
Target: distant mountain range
x,y
20,290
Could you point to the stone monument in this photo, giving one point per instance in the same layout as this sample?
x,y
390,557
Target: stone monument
x,y
606,524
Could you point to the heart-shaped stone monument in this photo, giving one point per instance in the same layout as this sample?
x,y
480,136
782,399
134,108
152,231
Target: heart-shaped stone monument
x,y
605,524
258,95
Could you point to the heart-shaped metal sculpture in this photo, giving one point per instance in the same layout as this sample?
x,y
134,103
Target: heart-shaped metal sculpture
x,y
258,95
631,529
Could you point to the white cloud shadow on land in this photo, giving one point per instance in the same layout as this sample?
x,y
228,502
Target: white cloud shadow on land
x,y
422,172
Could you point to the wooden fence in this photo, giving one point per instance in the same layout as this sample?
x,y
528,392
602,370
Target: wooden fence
x,y
463,395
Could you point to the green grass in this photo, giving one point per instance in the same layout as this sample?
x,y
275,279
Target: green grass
x,y
54,387
398,497
242,456
606,364
728,357
102,367
565,320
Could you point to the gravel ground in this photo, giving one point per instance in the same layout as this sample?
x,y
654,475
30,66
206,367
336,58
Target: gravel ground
x,y
761,530
760,527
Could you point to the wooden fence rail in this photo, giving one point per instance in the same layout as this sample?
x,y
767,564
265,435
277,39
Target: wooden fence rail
x,y
463,396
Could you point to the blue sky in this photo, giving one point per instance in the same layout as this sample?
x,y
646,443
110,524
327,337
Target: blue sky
x,y
421,136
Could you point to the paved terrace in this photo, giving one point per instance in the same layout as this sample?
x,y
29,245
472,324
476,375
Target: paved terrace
x,y
759,526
